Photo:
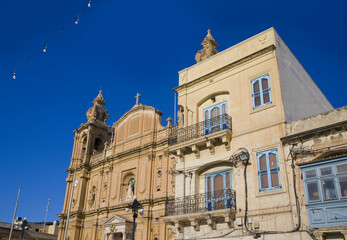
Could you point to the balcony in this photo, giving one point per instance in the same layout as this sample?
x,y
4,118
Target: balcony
x,y
206,208
205,134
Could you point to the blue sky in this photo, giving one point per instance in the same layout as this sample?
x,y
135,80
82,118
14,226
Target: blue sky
x,y
125,47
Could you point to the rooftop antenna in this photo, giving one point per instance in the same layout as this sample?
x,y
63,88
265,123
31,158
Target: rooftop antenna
x,y
44,222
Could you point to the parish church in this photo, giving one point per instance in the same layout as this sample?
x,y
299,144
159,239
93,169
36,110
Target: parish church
x,y
258,152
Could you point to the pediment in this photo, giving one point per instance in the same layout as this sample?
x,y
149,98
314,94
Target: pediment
x,y
117,220
139,120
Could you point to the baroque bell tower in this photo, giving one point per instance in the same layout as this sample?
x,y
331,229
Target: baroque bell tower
x,y
91,138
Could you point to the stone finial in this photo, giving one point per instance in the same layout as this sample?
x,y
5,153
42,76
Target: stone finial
x,y
210,48
97,113
99,100
169,121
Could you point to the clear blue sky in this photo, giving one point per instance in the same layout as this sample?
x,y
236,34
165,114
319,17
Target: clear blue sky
x,y
125,47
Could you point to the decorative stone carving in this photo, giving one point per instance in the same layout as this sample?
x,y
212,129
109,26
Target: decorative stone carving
x,y
180,117
91,197
130,190
97,113
210,48
115,192
143,175
169,121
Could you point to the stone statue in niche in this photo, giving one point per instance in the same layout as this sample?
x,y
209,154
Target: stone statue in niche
x,y
91,197
105,190
180,117
130,190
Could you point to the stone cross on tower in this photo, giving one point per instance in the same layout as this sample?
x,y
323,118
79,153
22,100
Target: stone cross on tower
x,y
137,98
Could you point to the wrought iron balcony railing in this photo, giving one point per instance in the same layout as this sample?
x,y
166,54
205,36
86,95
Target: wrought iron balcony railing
x,y
215,124
201,203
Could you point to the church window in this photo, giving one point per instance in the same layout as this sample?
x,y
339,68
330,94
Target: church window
x,y
215,118
261,92
268,170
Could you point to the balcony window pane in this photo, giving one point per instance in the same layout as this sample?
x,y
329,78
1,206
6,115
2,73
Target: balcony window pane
x,y
208,184
228,181
343,186
206,119
223,109
311,174
266,97
215,112
326,171
342,168
274,179
264,181
218,183
312,189
329,191
262,162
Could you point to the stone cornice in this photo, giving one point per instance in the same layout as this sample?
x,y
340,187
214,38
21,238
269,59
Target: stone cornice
x,y
92,124
227,67
312,132
130,152
121,206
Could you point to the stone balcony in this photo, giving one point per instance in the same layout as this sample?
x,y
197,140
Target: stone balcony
x,y
203,135
201,209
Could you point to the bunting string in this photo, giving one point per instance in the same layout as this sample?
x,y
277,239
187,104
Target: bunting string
x,y
44,46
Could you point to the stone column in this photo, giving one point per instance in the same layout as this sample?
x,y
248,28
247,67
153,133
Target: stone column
x,y
124,236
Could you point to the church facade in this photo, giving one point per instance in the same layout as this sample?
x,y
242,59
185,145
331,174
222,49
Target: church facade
x,y
251,121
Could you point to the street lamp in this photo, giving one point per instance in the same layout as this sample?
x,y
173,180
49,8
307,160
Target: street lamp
x,y
135,207
22,225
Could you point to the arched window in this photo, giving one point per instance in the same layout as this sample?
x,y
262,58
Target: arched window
x,y
218,190
84,146
215,118
98,145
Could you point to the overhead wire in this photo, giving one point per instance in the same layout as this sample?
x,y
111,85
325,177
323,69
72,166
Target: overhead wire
x,y
43,47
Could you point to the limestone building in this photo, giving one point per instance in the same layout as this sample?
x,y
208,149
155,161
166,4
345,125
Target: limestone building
x,y
113,165
225,170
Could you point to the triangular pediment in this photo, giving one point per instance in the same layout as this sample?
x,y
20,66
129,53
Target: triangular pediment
x,y
117,220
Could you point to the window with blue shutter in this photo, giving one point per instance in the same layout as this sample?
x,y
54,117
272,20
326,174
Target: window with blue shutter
x,y
261,92
268,170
